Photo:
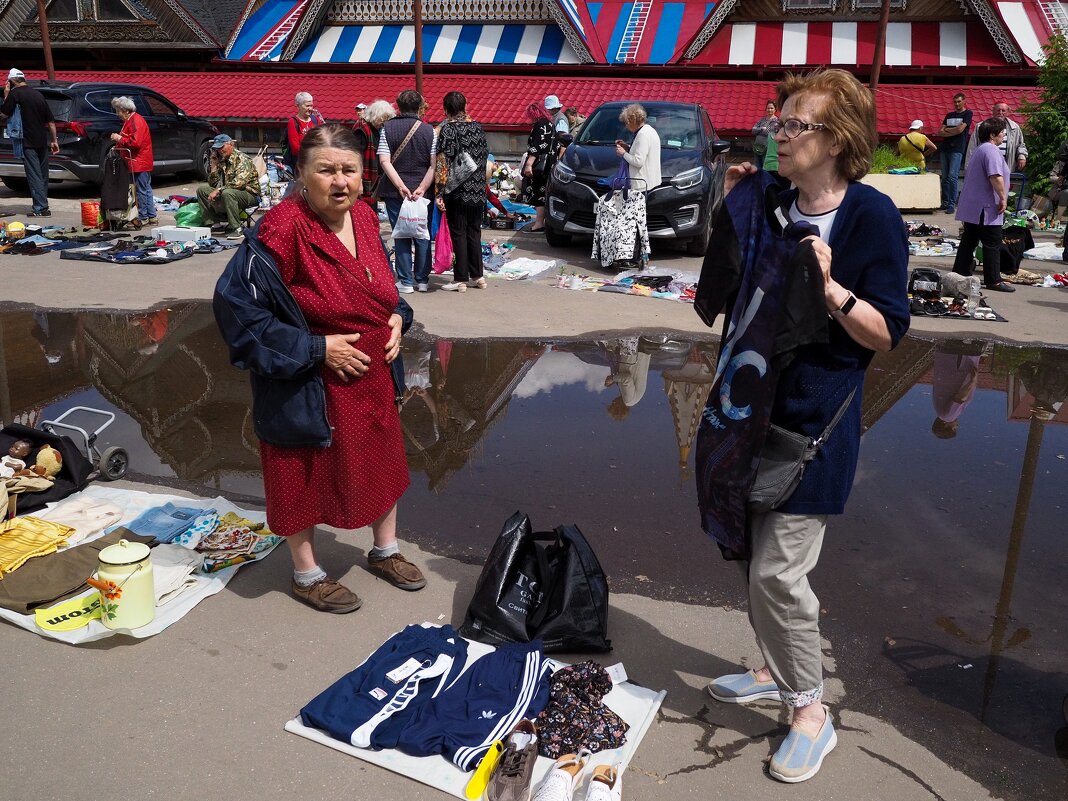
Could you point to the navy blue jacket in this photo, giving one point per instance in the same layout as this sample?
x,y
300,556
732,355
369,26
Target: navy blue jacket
x,y
267,335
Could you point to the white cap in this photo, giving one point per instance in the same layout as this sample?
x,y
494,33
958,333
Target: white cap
x,y
916,124
15,73
551,102
360,106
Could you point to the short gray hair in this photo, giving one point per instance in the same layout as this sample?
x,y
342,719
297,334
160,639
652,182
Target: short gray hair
x,y
302,97
122,103
633,114
378,112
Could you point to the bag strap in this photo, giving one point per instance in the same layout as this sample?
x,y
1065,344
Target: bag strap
x,y
550,579
817,443
406,140
917,147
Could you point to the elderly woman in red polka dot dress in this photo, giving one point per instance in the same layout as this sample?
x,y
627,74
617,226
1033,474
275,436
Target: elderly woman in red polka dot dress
x,y
309,306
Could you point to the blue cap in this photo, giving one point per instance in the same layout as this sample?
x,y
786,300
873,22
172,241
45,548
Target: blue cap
x,y
220,140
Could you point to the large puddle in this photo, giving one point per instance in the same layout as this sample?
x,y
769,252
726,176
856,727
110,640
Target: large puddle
x,y
943,586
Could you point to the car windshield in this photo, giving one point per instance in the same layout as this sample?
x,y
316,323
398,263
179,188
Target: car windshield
x,y
678,128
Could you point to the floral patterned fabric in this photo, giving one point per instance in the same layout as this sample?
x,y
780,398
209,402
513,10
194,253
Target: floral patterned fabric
x,y
621,232
576,716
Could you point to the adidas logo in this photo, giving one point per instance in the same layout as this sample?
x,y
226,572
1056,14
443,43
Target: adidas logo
x,y
488,714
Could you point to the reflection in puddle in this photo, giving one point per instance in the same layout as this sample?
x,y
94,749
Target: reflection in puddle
x,y
943,585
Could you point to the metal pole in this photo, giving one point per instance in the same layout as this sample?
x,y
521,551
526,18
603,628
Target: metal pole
x,y
418,15
46,40
880,45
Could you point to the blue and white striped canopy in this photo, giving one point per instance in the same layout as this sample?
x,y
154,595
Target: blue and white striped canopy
x,y
442,44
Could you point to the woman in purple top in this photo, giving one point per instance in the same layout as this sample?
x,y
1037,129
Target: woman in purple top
x,y
982,206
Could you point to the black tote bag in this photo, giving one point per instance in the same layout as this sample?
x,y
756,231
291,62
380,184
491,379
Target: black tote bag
x,y
544,586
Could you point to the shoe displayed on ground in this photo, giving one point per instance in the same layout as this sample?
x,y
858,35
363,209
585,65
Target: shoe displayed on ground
x,y
45,213
327,595
478,283
405,289
742,688
398,571
422,287
606,784
511,780
799,757
455,286
1001,286
559,782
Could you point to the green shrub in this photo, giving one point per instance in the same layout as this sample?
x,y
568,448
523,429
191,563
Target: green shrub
x,y
885,158
1047,125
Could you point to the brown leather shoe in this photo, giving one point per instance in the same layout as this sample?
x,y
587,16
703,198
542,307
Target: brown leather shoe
x,y
327,595
398,571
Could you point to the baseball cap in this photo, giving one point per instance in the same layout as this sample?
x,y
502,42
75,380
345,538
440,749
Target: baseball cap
x,y
361,106
551,102
916,124
15,73
220,140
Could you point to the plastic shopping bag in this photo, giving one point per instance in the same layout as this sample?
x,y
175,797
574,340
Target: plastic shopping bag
x,y
412,220
442,248
189,216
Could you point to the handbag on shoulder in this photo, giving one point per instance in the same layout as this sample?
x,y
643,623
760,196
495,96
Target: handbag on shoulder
x,y
544,586
782,462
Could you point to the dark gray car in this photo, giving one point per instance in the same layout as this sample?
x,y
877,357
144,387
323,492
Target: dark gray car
x,y
692,164
84,122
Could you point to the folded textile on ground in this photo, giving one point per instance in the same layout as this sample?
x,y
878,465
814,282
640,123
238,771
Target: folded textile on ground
x,y
23,538
84,515
172,571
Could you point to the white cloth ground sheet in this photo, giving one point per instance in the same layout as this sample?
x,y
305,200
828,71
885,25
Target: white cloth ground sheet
x,y
132,503
636,705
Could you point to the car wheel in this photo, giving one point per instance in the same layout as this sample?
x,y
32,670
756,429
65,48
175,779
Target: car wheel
x,y
20,185
557,239
201,161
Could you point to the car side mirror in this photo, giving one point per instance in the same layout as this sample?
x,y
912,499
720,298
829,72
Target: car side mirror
x,y
719,147
565,139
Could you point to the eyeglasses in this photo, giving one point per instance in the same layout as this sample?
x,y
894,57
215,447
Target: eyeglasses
x,y
794,128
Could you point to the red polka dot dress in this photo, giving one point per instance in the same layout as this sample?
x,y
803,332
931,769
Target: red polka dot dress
x,y
364,471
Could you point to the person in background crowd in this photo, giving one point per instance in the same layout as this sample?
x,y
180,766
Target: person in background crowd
x,y
1013,148
300,123
406,150
574,120
462,149
956,127
136,140
539,160
367,129
556,114
760,132
233,186
982,205
38,136
643,154
826,136
293,304
915,147
956,375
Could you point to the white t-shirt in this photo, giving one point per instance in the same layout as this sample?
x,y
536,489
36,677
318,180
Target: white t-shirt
x,y
824,222
383,146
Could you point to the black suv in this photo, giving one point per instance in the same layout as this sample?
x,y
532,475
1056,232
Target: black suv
x,y
84,122
692,164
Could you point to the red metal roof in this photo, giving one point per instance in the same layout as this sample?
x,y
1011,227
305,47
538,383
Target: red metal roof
x,y
500,101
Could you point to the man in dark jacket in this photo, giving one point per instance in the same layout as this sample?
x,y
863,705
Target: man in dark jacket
x,y
38,137
406,150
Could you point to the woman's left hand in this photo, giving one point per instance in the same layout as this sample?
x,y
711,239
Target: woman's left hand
x,y
832,292
393,345
620,149
440,202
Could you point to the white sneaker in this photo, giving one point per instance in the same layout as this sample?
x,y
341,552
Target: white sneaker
x,y
605,784
455,286
405,289
559,782
422,287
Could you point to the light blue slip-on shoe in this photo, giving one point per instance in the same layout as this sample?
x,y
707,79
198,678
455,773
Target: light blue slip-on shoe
x,y
742,688
799,757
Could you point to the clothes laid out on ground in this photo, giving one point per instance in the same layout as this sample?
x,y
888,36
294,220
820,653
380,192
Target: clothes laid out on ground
x,y
88,244
430,704
650,282
196,546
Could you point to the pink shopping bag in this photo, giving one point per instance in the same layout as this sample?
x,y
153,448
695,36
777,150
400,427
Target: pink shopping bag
x,y
442,248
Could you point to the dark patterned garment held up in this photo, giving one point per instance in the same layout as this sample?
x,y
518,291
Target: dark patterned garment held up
x,y
541,142
576,716
364,471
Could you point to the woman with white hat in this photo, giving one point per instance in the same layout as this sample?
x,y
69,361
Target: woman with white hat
x,y
914,147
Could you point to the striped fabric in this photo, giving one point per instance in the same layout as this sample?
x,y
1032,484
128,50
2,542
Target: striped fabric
x,y
442,44
23,538
908,44
669,27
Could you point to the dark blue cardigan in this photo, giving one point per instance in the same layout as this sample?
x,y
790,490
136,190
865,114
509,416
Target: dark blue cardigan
x,y
870,257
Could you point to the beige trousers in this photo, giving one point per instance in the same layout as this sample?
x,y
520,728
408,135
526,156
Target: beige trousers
x,y
783,609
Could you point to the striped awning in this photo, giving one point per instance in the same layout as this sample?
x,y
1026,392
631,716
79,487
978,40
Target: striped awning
x,y
645,33
1027,24
908,44
442,44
